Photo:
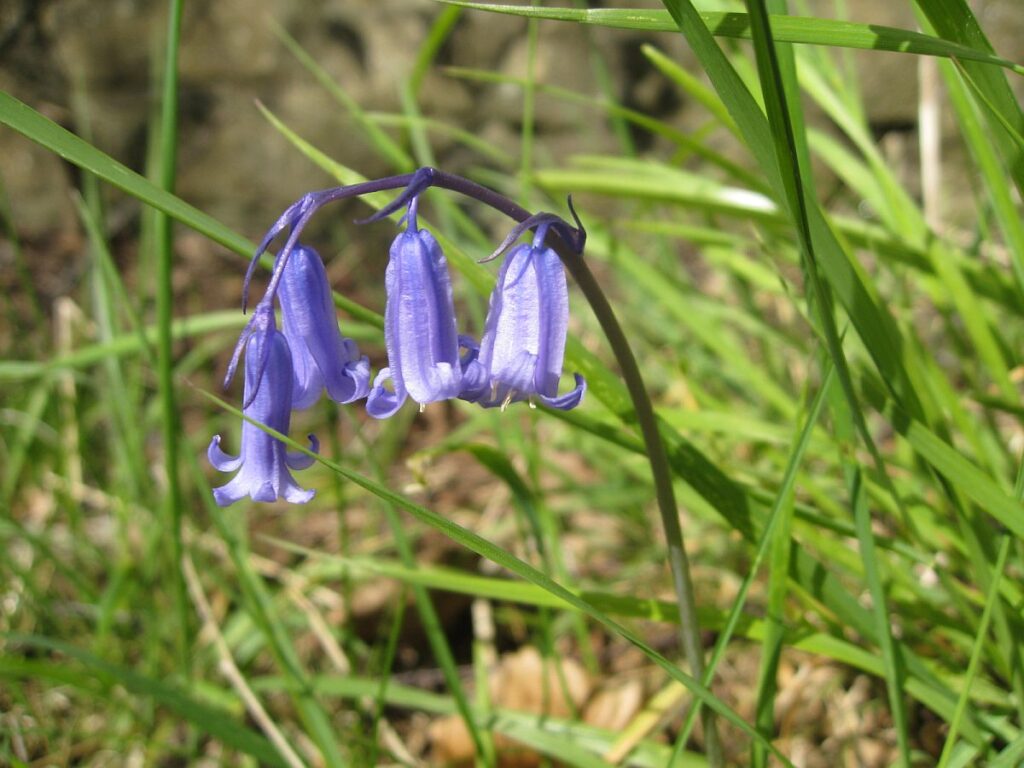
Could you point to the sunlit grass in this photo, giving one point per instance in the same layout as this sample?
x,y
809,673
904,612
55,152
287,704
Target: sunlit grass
x,y
836,378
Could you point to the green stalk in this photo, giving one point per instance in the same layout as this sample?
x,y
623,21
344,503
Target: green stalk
x,y
788,158
689,629
164,309
529,114
979,642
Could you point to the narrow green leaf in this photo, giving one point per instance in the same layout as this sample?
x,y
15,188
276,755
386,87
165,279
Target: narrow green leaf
x,y
44,131
976,652
218,724
787,29
955,21
972,481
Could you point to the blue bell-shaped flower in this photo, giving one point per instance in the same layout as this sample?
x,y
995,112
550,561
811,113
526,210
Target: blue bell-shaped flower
x,y
263,463
419,325
521,353
321,356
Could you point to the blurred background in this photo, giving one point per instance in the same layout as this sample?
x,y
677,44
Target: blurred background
x,y
233,166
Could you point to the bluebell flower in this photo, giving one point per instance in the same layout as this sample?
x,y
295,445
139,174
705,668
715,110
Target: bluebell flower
x,y
321,356
522,349
263,463
419,325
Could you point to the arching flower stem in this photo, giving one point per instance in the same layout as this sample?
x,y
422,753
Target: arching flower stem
x,y
567,241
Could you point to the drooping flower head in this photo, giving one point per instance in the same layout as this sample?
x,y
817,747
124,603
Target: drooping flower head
x,y
321,356
263,463
521,353
419,325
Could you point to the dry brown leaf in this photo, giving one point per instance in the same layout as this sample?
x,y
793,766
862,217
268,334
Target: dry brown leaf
x,y
615,705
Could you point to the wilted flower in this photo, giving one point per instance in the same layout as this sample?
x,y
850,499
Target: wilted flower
x,y
521,353
321,356
419,325
263,462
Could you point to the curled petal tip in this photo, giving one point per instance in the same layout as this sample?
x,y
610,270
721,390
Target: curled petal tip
x,y
221,461
300,460
382,403
569,400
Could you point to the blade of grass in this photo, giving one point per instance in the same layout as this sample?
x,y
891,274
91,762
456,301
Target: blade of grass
x,y
1011,756
325,567
972,665
691,85
987,162
31,421
551,736
873,323
259,605
384,674
164,241
128,440
776,539
384,145
62,142
788,29
955,22
781,107
201,716
681,139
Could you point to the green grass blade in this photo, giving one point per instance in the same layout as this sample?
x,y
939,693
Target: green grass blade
x,y
385,146
975,659
122,345
47,133
691,85
203,717
987,162
894,672
555,737
776,540
680,138
259,605
954,21
790,149
164,241
44,131
1011,755
787,29
31,420
972,481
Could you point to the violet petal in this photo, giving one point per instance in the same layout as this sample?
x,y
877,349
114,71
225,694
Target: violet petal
x,y
262,462
321,356
523,345
419,325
